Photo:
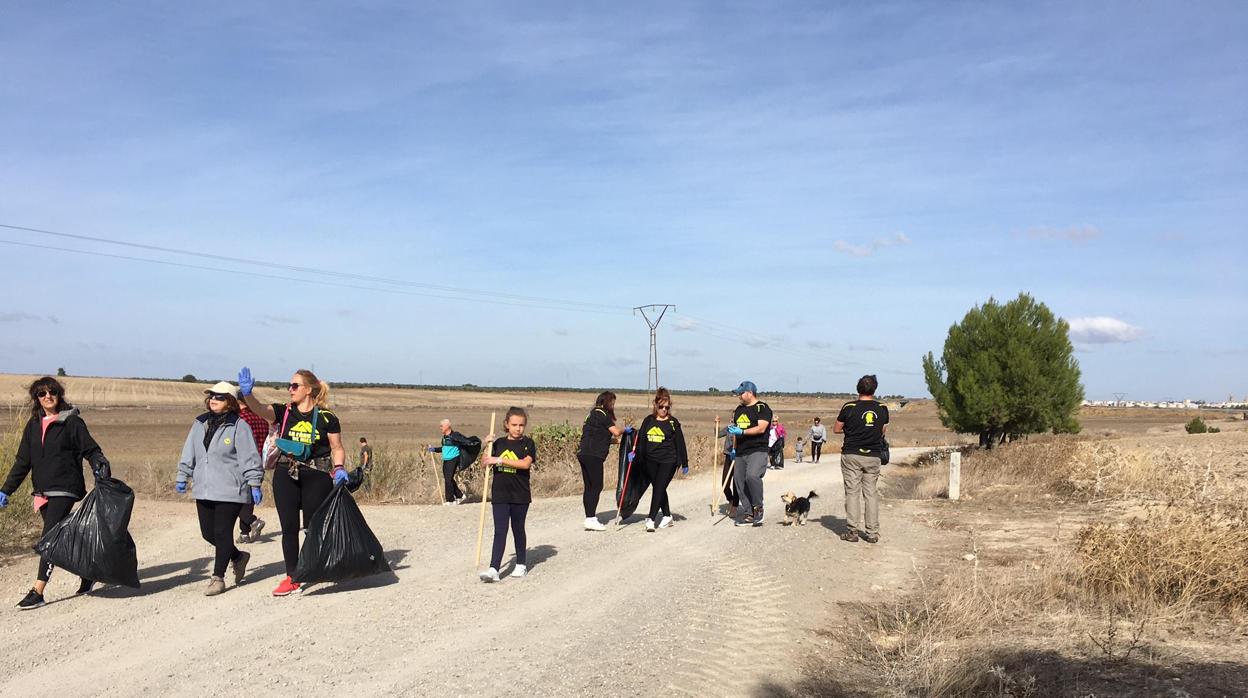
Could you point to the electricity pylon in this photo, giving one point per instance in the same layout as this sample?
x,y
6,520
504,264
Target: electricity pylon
x,y
652,374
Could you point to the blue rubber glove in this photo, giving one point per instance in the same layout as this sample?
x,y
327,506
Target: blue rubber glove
x,y
684,470
628,430
735,430
180,488
4,500
256,496
434,449
733,454
631,456
245,381
340,475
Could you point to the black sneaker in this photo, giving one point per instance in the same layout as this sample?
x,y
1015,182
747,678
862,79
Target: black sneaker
x,y
871,538
747,521
33,600
849,536
85,587
758,516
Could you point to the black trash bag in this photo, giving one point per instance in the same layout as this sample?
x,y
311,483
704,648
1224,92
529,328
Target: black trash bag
x,y
339,545
633,479
468,453
94,542
777,453
355,479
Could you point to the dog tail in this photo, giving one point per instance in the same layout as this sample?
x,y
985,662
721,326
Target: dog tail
x,y
812,495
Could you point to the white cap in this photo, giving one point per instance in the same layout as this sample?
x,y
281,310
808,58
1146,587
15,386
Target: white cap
x,y
223,388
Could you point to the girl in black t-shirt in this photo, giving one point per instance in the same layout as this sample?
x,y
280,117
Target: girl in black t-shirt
x,y
512,458
596,436
661,448
300,486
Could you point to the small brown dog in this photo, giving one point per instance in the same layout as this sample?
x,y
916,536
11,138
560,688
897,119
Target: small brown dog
x,y
796,508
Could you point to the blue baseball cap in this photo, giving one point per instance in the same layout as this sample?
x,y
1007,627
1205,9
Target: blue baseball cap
x,y
746,387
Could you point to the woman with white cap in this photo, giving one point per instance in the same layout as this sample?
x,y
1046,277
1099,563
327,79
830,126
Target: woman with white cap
x,y
221,459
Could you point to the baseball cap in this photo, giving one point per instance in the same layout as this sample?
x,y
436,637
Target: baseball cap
x,y
223,388
746,387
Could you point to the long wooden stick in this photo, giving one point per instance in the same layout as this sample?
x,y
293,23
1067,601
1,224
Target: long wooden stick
x,y
485,491
436,475
727,479
714,450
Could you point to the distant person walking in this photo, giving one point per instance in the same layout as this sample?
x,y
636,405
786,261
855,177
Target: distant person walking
x,y
452,450
661,449
311,464
596,436
863,422
221,460
250,525
54,444
818,435
751,422
366,454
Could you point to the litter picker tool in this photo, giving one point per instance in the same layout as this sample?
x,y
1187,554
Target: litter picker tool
x,y
485,490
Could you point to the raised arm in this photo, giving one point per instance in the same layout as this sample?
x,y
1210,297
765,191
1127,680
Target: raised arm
x,y
245,385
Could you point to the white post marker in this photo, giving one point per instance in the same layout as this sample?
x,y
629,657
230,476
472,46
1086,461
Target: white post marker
x,y
485,491
955,475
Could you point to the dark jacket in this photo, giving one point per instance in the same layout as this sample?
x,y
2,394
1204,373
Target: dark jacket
x,y
54,460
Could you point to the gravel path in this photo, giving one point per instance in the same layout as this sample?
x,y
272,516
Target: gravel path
x,y
702,608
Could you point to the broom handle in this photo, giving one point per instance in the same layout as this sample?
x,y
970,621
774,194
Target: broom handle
x,y
485,493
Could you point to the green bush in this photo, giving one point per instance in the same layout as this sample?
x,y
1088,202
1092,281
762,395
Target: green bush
x,y
1198,426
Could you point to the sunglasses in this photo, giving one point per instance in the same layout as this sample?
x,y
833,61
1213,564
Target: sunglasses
x,y
47,393
663,407
217,396
294,386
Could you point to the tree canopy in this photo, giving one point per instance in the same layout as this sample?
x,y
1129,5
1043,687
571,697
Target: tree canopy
x,y
1007,370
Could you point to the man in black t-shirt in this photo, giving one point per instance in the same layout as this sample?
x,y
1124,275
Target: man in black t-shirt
x,y
863,422
750,423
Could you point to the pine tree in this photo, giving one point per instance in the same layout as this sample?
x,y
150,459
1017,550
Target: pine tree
x,y
1007,370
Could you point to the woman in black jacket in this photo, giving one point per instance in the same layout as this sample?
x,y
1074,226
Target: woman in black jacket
x,y
661,449
53,446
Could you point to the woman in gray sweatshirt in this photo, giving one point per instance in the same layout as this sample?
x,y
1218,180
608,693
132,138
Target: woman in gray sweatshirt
x,y
221,458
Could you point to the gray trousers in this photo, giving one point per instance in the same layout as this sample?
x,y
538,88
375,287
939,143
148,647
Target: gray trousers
x,y
861,475
748,477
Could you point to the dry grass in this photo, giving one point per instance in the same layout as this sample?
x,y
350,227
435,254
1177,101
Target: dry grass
x,y
19,524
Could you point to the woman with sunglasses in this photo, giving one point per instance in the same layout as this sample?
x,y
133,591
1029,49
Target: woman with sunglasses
x,y
221,460
300,486
661,449
53,446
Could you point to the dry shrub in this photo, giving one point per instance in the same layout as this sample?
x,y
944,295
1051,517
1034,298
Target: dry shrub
x,y
19,523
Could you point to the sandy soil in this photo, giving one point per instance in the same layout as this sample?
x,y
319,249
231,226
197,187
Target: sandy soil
x,y
702,608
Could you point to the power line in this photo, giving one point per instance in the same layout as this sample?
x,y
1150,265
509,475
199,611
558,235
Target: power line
x,y
547,302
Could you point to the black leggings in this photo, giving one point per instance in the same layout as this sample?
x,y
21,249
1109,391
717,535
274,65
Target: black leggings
x,y
55,511
246,517
591,473
504,514
448,479
661,475
216,525
815,448
730,489
293,497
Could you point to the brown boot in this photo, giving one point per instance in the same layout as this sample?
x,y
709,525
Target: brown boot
x,y
216,585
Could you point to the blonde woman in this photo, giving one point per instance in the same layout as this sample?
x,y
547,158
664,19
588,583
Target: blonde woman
x,y
302,480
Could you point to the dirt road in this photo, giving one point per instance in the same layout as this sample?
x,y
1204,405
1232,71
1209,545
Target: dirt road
x,y
700,609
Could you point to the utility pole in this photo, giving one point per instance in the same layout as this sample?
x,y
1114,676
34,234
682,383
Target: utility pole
x,y
1119,399
661,309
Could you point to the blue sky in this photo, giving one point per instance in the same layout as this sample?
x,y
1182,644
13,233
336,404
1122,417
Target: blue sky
x,y
820,188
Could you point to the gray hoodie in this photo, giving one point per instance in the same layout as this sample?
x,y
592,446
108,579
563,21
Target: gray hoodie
x,y
226,470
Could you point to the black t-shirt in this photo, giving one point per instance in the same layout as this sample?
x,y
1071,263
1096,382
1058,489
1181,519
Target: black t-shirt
x,y
662,441
299,428
864,422
747,417
511,485
596,434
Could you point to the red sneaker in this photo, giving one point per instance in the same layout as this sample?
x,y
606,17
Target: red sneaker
x,y
287,587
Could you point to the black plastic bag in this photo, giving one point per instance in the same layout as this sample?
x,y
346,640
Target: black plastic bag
x,y
633,479
94,542
468,453
884,454
339,544
355,480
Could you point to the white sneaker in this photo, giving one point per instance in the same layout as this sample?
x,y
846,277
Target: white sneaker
x,y
462,498
665,522
593,524
447,504
519,571
490,575
649,525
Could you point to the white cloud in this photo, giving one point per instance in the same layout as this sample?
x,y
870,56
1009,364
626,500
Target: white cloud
x,y
872,247
1103,330
684,324
18,317
1077,234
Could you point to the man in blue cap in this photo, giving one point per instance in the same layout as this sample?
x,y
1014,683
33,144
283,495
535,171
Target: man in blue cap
x,y
750,423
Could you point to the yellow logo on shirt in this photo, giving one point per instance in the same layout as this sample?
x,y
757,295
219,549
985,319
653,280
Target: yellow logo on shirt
x,y
302,432
655,435
869,418
509,455
743,422
227,442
